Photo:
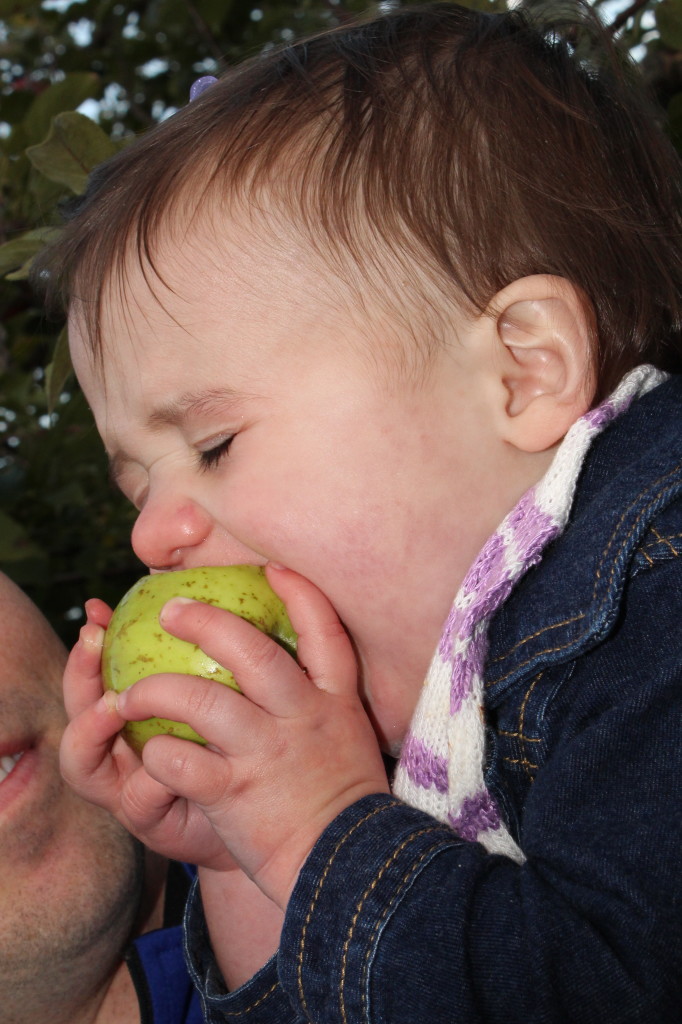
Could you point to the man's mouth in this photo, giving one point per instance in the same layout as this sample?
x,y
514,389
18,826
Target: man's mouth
x,y
8,763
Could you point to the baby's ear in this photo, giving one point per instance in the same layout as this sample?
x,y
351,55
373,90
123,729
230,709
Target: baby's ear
x,y
544,332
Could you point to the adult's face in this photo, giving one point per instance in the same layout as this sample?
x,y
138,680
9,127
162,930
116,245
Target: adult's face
x,y
70,877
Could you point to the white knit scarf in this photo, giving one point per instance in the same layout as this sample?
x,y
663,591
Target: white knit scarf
x,y
442,760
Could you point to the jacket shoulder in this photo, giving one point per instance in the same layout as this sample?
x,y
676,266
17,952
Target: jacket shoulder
x,y
626,520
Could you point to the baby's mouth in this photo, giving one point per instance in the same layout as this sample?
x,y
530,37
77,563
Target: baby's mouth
x,y
8,763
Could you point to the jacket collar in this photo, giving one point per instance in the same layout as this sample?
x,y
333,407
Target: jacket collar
x,y
569,602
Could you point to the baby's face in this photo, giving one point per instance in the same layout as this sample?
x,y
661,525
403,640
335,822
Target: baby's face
x,y
249,420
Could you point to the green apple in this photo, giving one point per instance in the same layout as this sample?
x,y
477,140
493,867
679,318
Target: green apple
x,y
135,645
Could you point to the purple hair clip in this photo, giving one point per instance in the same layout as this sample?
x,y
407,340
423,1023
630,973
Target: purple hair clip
x,y
201,85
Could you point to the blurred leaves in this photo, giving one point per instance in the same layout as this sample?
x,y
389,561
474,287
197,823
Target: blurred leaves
x,y
669,23
74,145
16,256
78,79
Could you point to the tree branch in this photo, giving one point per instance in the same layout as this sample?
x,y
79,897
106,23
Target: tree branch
x,y
629,12
203,30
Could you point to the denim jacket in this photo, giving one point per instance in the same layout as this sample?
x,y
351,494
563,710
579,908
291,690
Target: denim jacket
x,y
395,920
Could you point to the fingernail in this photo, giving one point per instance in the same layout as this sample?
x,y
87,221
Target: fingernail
x,y
175,602
112,700
92,636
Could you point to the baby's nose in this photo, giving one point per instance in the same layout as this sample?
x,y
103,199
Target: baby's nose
x,y
166,533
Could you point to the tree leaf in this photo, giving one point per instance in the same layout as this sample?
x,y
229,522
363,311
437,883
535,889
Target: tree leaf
x,y
74,145
65,95
669,22
18,254
58,371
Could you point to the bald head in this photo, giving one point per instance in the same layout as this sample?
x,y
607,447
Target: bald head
x,y
28,644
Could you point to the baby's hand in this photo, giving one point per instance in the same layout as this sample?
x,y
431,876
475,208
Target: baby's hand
x,y
285,756
100,766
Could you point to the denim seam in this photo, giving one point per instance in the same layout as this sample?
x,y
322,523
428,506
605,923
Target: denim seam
x,y
528,765
557,625
253,1006
358,910
649,559
406,880
316,895
666,542
518,736
655,552
522,724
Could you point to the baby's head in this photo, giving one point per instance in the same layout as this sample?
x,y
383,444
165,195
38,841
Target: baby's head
x,y
339,311
430,158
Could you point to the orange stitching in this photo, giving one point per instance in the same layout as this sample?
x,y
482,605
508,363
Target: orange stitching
x,y
316,894
522,722
626,538
373,884
254,1006
664,540
577,618
522,761
532,636
519,736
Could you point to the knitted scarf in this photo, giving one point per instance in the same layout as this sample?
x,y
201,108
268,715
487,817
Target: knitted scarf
x,y
441,766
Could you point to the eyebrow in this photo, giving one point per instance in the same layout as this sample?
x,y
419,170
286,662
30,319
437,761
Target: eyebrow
x,y
202,402
175,413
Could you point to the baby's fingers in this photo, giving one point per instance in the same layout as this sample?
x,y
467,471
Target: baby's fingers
x,y
265,673
92,757
145,803
324,649
98,612
82,676
158,814
188,770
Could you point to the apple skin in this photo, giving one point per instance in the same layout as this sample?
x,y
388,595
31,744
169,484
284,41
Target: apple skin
x,y
135,644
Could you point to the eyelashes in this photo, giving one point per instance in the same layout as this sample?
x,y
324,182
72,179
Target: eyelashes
x,y
210,458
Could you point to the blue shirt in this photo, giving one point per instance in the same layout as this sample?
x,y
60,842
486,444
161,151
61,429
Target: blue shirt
x,y
157,964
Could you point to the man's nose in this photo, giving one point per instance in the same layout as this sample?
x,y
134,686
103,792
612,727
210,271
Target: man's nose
x,y
169,533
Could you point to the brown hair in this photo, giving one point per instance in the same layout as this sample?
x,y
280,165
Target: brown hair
x,y
474,146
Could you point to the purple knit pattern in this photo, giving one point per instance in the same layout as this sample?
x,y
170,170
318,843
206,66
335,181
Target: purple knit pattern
x,y
508,553
476,814
437,745
465,665
504,557
423,766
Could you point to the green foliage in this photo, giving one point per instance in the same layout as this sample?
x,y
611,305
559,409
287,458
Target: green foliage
x,y
74,144
64,532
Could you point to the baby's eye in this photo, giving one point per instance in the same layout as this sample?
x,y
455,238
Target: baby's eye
x,y
212,456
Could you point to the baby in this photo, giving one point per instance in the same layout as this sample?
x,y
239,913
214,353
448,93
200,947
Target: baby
x,y
395,312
